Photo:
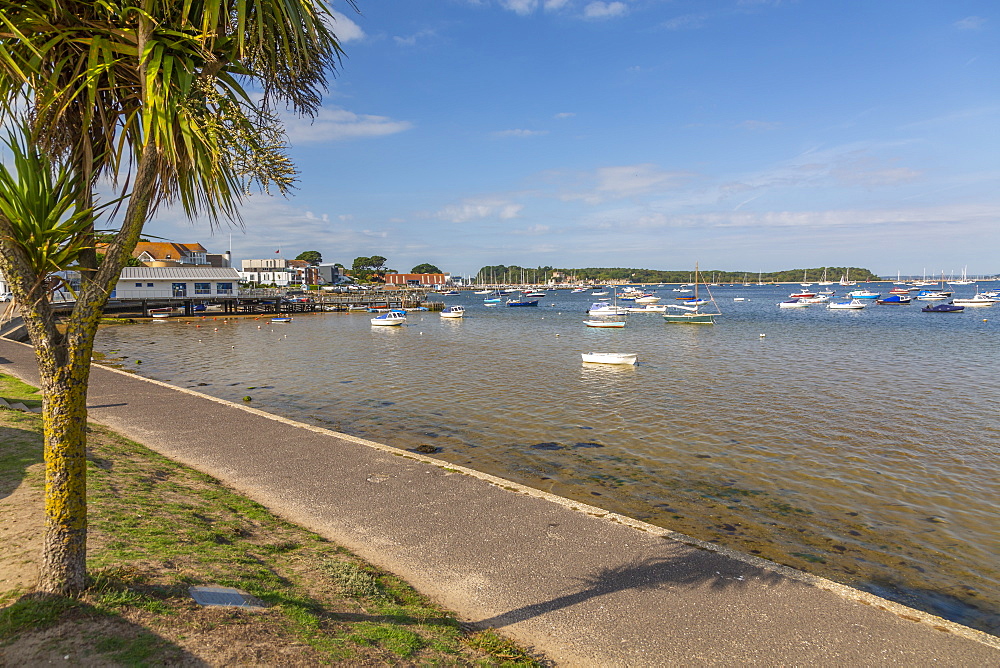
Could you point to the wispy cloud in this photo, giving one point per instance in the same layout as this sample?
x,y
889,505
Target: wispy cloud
x,y
520,133
970,23
564,115
605,10
480,209
413,39
340,124
610,183
685,22
522,7
759,126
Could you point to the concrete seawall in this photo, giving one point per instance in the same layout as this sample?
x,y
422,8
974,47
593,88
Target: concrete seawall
x,y
584,586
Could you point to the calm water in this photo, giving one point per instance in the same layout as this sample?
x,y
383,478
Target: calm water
x,y
860,445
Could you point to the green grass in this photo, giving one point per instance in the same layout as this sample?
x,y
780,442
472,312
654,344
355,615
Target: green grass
x,y
163,527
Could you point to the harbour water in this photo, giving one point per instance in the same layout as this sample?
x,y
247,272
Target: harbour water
x,y
858,445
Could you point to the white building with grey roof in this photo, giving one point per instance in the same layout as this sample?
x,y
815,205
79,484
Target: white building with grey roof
x,y
177,283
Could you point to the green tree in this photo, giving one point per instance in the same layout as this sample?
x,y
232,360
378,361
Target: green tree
x,y
313,257
151,95
425,268
369,268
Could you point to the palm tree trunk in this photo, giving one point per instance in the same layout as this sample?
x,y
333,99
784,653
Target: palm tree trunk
x,y
64,416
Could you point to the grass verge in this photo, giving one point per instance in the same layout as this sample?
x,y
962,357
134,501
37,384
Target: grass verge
x,y
157,528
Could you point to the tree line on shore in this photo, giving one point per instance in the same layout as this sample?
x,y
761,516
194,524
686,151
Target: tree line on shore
x,y
515,274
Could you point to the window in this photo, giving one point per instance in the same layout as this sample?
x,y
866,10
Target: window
x,y
203,288
224,288
179,289
138,285
149,285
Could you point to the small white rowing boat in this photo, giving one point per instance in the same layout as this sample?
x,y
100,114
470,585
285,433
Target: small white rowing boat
x,y
610,358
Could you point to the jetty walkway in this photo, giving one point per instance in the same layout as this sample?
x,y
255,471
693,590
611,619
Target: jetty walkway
x,y
581,585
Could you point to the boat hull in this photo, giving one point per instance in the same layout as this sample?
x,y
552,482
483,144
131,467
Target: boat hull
x,y
690,318
610,358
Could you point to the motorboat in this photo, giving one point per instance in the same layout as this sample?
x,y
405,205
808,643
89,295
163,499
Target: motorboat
x,y
610,324
793,303
453,312
610,358
647,308
647,299
802,295
932,296
391,318
818,299
604,308
976,300
943,308
894,299
863,294
534,294
854,304
282,318
522,302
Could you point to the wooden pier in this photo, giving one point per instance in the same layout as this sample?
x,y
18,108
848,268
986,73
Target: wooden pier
x,y
270,302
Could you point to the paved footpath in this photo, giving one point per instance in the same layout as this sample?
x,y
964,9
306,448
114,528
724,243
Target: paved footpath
x,y
581,585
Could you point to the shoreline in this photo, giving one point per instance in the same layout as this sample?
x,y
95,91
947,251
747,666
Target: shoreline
x,y
590,521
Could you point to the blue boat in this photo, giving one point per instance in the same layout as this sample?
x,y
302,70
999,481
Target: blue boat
x,y
894,299
943,308
522,302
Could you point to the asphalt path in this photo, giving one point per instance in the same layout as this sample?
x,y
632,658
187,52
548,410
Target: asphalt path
x,y
583,586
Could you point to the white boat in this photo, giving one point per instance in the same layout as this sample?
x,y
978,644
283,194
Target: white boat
x,y
965,280
976,300
453,312
603,308
281,318
931,296
688,312
600,293
863,294
610,358
818,299
793,303
392,318
648,308
611,324
854,304
648,299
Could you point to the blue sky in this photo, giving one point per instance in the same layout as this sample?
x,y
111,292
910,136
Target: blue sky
x,y
749,135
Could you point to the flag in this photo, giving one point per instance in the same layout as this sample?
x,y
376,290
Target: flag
x,y
278,251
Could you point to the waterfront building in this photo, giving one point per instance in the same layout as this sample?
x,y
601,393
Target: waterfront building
x,y
418,280
177,282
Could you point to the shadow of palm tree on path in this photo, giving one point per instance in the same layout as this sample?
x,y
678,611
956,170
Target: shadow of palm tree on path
x,y
692,568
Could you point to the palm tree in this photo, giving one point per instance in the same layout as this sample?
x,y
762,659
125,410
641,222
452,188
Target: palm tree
x,y
172,102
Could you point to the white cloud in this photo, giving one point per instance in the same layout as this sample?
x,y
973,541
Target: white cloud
x,y
414,38
339,124
521,7
632,180
564,114
520,133
604,10
555,5
480,209
970,23
345,29
685,22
